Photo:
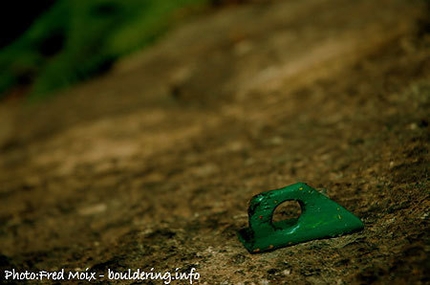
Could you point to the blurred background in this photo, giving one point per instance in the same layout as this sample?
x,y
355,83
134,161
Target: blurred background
x,y
51,44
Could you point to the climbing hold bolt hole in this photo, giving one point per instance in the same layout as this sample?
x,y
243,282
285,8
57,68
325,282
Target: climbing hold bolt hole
x,y
288,211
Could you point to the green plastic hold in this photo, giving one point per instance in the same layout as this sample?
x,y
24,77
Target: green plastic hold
x,y
320,218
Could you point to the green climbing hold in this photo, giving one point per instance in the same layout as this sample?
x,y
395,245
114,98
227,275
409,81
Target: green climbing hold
x,y
320,218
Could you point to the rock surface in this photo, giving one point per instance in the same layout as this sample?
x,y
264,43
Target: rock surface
x,y
152,165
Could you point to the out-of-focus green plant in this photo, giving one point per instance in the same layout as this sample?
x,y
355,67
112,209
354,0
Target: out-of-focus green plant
x,y
76,39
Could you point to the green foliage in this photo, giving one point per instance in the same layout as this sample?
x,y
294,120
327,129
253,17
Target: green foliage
x,y
76,39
